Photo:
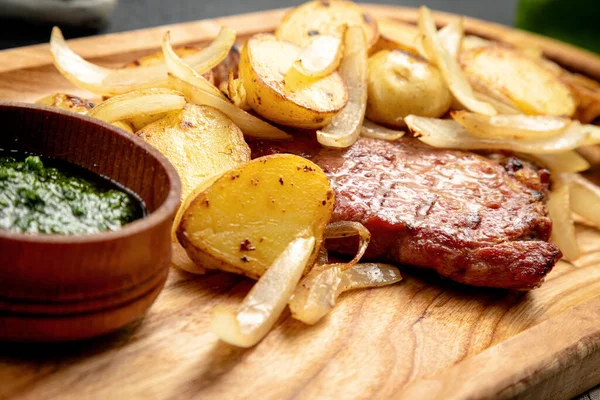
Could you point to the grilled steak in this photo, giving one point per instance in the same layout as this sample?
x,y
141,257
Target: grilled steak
x,y
474,219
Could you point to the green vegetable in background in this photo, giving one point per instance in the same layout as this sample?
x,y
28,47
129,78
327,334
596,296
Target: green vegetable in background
x,y
572,21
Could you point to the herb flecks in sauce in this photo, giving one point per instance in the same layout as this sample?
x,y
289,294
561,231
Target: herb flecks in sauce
x,y
35,198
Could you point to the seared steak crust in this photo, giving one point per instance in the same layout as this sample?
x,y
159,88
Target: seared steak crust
x,y
474,219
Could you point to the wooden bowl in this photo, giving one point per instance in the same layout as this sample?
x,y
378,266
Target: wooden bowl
x,y
55,287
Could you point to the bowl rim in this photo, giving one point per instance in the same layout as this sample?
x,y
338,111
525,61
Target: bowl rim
x,y
165,210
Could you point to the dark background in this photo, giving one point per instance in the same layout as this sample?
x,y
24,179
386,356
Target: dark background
x,y
136,14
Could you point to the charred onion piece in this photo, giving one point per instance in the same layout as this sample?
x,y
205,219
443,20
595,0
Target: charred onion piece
x,y
569,161
263,305
111,82
563,227
236,92
450,69
451,37
320,58
199,91
138,103
451,135
248,123
316,294
342,229
345,127
585,198
525,127
179,68
374,131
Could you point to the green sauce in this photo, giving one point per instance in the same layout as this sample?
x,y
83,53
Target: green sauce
x,y
61,199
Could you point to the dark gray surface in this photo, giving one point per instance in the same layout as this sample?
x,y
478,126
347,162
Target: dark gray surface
x,y
157,12
136,14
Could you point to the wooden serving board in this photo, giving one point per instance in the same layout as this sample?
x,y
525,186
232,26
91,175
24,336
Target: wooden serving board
x,y
423,338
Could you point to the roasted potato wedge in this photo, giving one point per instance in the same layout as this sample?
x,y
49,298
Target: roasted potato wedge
x,y
585,90
180,259
159,58
587,93
400,84
67,102
249,215
511,73
200,141
308,104
396,35
325,17
140,122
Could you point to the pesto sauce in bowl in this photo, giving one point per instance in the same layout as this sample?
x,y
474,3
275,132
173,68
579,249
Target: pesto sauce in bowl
x,y
56,197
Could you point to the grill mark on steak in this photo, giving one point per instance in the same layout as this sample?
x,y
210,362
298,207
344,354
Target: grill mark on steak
x,y
477,220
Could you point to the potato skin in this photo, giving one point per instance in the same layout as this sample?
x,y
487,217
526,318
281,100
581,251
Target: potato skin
x,y
200,141
400,84
310,105
248,216
325,17
67,102
520,78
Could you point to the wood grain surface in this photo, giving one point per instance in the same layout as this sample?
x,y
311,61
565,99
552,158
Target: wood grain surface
x,y
423,338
